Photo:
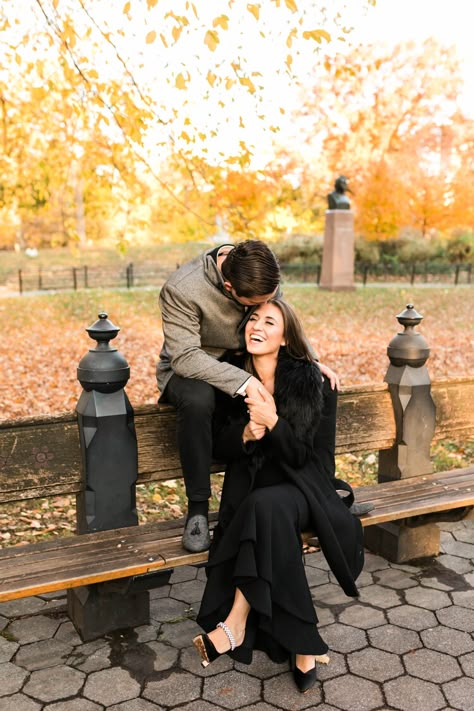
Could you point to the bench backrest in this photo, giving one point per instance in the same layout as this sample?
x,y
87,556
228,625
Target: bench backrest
x,y
40,456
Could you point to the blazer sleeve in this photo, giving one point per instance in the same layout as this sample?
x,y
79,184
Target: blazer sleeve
x,y
182,332
228,427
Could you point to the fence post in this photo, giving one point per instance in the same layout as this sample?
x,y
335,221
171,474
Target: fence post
x,y
20,281
40,279
318,274
365,272
86,277
109,472
469,270
409,385
456,274
74,278
413,273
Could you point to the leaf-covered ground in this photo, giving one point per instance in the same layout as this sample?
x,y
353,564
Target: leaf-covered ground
x,y
43,340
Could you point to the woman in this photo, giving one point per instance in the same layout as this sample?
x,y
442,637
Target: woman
x,y
279,481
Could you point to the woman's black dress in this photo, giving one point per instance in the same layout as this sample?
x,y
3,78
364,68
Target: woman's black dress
x,y
273,490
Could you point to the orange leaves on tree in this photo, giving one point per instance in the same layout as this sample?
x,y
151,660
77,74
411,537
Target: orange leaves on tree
x,y
221,21
211,40
317,35
254,10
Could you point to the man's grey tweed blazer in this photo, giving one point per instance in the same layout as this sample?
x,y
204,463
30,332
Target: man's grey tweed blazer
x,y
200,323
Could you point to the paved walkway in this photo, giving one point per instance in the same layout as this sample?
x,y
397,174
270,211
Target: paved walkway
x,y
407,643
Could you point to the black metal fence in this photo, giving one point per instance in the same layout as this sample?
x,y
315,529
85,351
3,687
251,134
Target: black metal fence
x,y
153,274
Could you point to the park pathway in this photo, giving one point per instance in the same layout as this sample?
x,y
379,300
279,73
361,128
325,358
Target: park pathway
x,y
406,644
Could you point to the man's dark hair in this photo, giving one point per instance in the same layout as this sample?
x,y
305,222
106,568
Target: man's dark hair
x,y
252,269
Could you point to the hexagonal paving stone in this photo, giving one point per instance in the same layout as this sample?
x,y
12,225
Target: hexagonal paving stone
x,y
316,576
91,658
177,688
461,618
362,616
7,649
167,610
183,574
459,565
353,694
181,635
427,598
405,692
432,666
189,591
374,562
381,597
67,633
281,692
201,705
375,664
232,690
394,639
460,693
165,656
343,638
394,578
135,705
39,655
18,702
336,667
464,598
33,629
162,591
325,616
262,667
330,595
462,550
12,678
111,686
51,686
467,663
73,705
21,607
316,560
147,633
464,533
3,622
191,661
445,639
413,618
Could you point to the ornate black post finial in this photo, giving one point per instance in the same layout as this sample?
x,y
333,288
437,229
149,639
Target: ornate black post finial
x,y
408,347
103,368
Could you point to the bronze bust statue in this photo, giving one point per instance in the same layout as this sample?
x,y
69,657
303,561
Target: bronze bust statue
x,y
338,200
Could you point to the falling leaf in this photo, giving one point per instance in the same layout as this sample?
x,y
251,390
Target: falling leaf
x,y
317,35
211,40
151,37
254,10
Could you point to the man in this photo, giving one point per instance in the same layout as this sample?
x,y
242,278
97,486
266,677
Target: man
x,y
203,307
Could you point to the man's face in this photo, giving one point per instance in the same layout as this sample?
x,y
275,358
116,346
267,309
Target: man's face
x,y
249,300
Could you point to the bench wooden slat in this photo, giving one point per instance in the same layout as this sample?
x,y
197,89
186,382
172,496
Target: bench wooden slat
x,y
109,555
40,456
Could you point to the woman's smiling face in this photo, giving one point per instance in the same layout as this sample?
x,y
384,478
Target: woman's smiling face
x,y
264,331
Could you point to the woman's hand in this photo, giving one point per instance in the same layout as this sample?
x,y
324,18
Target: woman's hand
x,y
253,432
263,410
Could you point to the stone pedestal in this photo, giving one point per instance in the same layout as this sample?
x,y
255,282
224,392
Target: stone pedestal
x,y
400,543
96,611
337,272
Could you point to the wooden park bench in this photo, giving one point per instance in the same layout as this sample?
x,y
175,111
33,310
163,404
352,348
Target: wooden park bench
x,y
108,572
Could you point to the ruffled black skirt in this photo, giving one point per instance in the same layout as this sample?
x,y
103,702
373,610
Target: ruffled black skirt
x,y
260,552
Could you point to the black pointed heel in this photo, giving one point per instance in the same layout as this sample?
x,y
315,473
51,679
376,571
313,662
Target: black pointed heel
x,y
303,680
206,649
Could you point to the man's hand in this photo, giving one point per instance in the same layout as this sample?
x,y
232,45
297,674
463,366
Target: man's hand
x,y
263,410
331,376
